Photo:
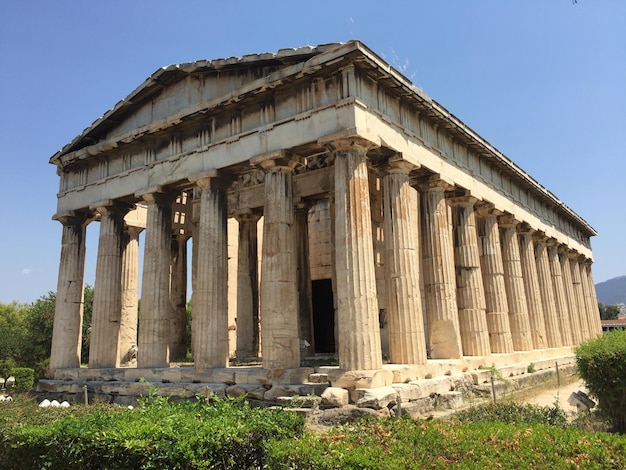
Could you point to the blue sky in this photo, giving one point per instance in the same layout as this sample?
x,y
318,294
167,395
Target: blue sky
x,y
543,81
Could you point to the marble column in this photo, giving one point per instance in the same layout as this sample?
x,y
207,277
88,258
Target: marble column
x,y
107,298
404,306
591,315
439,276
568,287
68,311
247,285
210,300
593,299
492,268
155,290
514,284
280,343
357,305
305,306
130,294
546,289
470,294
581,309
560,299
531,287
178,298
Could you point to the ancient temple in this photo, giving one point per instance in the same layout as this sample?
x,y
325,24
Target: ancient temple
x,y
327,208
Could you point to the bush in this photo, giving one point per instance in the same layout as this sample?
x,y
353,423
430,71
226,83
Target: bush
x,y
5,367
24,378
514,413
601,364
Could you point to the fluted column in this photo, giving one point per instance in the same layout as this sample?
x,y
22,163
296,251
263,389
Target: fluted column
x,y
209,332
560,300
178,298
439,276
68,310
470,294
107,298
593,299
531,287
130,293
590,314
519,320
305,306
570,295
492,268
280,344
547,293
407,344
247,285
357,306
155,290
581,309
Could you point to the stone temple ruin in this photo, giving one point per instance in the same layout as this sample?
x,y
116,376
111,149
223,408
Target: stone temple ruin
x,y
330,210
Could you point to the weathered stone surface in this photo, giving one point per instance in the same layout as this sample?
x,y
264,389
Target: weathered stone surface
x,y
360,378
375,398
336,396
255,392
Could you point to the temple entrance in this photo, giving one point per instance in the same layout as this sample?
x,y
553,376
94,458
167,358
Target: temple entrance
x,y
323,316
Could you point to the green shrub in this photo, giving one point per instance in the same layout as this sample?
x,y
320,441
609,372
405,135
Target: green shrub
x,y
24,378
5,367
514,413
601,364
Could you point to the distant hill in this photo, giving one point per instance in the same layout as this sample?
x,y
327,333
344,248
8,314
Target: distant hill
x,y
612,291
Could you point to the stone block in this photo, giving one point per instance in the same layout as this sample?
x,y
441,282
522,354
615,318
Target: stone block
x,y
481,376
318,378
375,398
409,392
225,376
252,375
449,400
361,378
416,408
402,373
291,376
191,375
252,391
335,396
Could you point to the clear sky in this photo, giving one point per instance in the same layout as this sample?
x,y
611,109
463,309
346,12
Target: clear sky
x,y
543,81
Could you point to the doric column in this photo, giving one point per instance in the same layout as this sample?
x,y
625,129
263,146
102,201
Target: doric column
x,y
68,310
470,294
209,325
560,300
547,293
492,268
247,285
514,284
178,298
357,305
591,314
280,343
439,276
305,307
581,309
570,295
130,294
593,300
107,297
531,286
404,305
155,290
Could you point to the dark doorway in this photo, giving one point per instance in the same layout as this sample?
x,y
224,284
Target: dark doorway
x,y
323,316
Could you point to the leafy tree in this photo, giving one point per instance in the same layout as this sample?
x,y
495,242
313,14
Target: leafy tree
x,y
12,331
608,312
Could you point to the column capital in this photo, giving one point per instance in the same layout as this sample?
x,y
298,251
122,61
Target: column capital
x,y
552,242
397,165
279,159
213,179
347,140
525,229
486,209
153,194
435,183
74,218
540,237
111,206
247,215
508,220
465,200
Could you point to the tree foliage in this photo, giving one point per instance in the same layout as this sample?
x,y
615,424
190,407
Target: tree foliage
x,y
608,312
